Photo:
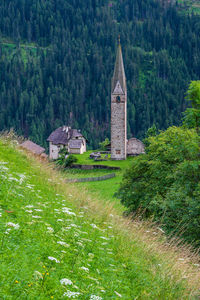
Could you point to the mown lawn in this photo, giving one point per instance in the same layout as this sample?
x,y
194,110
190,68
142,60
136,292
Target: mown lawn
x,y
54,246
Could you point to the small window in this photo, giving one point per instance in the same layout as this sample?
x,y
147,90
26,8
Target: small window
x,y
118,151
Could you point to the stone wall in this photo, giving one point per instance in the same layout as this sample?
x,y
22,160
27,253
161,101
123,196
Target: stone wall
x,y
91,167
99,178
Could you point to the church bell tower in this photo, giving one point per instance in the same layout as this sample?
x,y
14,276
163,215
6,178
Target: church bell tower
x,y
119,110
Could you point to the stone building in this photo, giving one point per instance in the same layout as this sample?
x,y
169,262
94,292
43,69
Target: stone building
x,y
120,146
135,147
119,110
66,137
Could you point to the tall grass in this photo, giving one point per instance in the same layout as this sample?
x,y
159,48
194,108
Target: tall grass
x,y
57,242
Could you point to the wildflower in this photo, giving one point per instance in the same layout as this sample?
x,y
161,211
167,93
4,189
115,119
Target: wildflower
x,y
50,229
10,224
70,294
66,281
36,217
16,281
63,243
29,211
94,297
53,259
67,211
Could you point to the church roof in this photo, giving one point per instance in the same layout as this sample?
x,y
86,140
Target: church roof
x,y
63,134
119,78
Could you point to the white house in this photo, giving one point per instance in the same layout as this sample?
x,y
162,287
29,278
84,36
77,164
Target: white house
x,y
66,137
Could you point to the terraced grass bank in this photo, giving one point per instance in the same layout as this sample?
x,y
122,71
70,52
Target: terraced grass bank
x,y
58,243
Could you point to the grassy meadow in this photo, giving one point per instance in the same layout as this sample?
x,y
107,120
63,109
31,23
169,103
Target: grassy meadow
x,y
104,190
58,242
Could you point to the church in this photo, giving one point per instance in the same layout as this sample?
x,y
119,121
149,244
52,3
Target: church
x,y
120,146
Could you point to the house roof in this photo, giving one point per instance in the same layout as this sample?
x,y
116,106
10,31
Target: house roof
x,y
63,134
34,148
75,144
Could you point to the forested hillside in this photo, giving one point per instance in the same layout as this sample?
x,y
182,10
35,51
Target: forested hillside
x,y
57,59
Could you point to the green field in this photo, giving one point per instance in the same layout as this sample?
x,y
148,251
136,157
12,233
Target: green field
x,y
105,190
58,242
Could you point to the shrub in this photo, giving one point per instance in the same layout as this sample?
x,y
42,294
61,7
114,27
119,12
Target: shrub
x,y
69,161
165,182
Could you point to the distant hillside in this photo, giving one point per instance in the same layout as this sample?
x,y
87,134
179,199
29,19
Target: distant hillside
x,y
59,243
57,60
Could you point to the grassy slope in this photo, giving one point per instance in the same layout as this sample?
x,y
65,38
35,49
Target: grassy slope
x,y
55,219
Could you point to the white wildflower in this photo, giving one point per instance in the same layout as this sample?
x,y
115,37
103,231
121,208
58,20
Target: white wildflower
x,y
29,206
80,244
53,259
119,295
66,281
10,224
60,220
50,229
38,209
29,211
67,211
94,297
70,294
84,269
36,217
63,243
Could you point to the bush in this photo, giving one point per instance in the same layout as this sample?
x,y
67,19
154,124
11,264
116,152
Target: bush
x,y
165,182
69,161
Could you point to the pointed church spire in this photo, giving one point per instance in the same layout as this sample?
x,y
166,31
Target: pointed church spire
x,y
119,74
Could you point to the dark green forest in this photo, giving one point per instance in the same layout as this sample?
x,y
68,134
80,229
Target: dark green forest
x,y
57,60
